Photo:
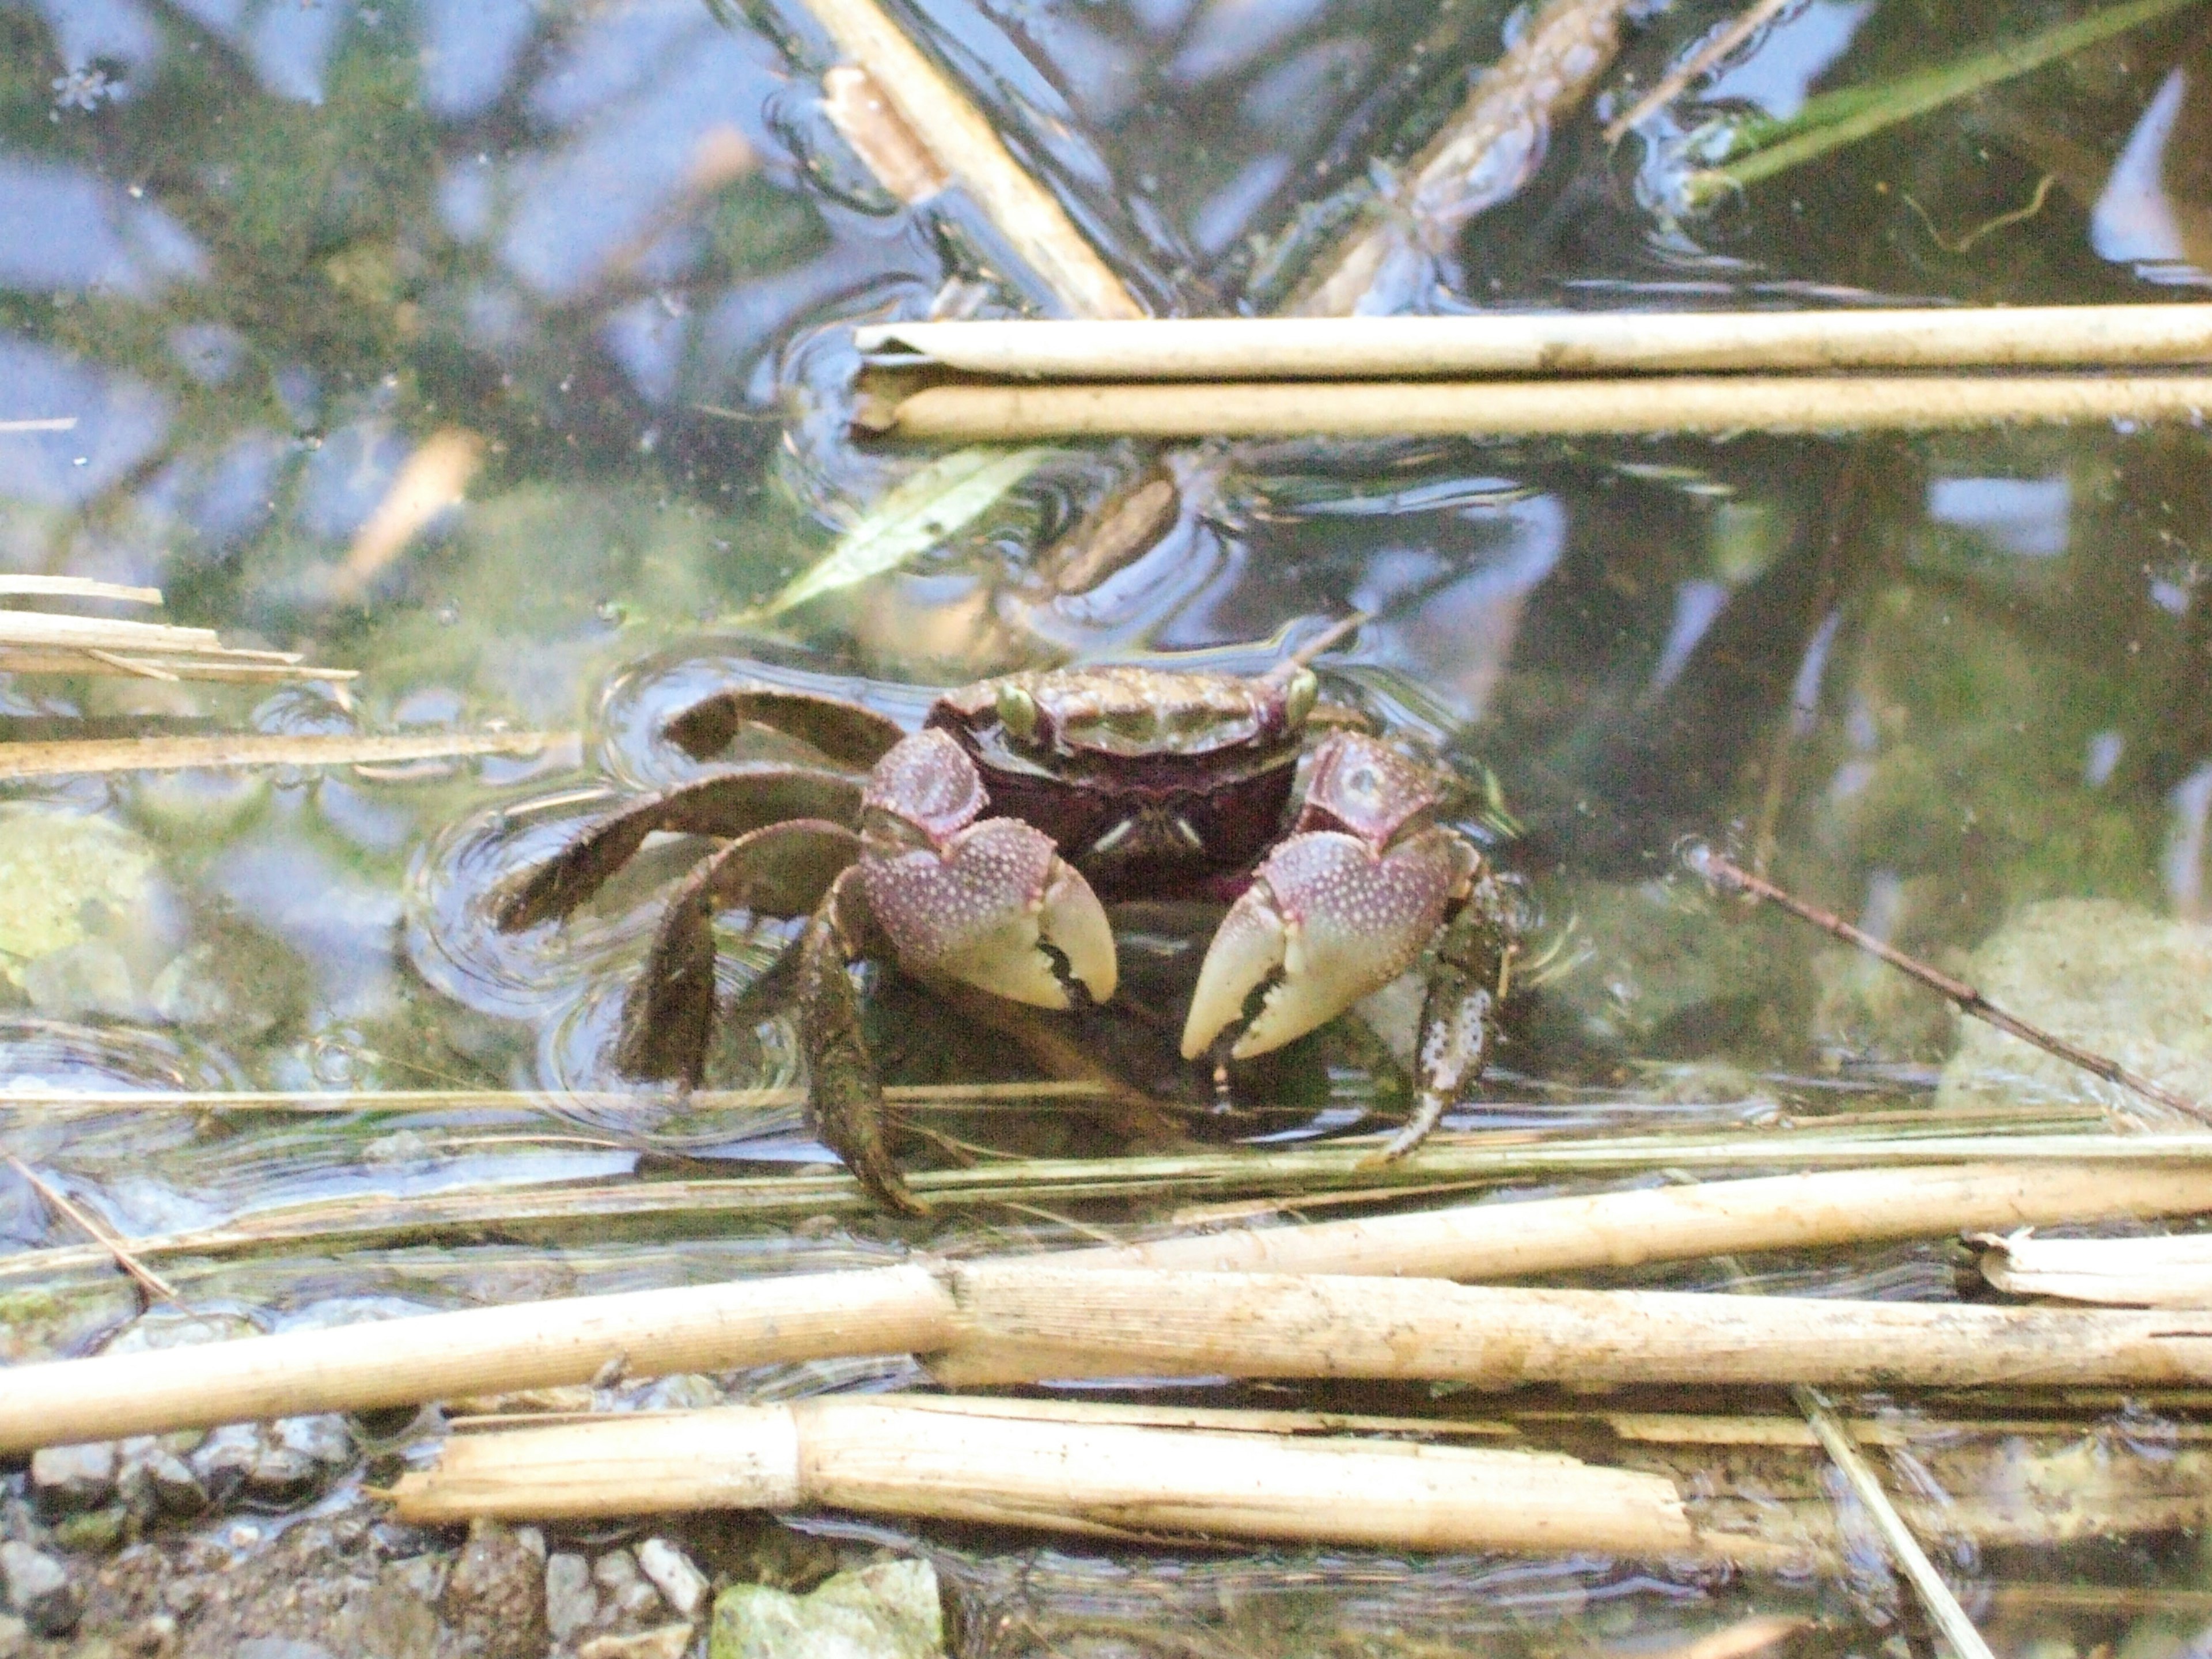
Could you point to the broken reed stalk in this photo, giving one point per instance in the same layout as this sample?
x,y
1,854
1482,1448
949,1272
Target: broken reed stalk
x,y
1501,409
43,643
1070,1472
1963,996
171,754
2133,1273
967,148
908,1309
1559,342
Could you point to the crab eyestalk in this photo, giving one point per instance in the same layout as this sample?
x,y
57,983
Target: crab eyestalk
x,y
1338,910
987,902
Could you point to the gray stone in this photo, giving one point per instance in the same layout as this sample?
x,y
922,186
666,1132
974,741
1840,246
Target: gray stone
x,y
422,1576
887,1612
39,1588
177,1490
571,1603
672,1574
2113,979
615,1571
280,1647
70,1480
14,1636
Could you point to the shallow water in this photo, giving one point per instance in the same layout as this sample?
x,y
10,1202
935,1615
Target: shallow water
x,y
266,256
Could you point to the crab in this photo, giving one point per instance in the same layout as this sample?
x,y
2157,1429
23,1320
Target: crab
x,y
981,850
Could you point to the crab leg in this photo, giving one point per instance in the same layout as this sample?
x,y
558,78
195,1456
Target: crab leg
x,y
781,869
1458,1011
845,1095
733,804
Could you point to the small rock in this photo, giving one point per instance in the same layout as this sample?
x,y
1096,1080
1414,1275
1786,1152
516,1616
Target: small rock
x,y
887,1612
616,1570
181,1595
388,1620
155,1633
672,1575
39,1588
495,1595
420,1575
94,1533
14,1636
663,1641
177,1490
70,1480
280,1647
633,1601
532,1538
571,1603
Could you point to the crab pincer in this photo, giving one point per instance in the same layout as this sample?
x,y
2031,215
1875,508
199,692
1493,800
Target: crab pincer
x,y
1342,906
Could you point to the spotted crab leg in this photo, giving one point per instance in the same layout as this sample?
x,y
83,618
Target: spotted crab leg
x,y
1458,1011
733,804
845,1093
840,732
780,870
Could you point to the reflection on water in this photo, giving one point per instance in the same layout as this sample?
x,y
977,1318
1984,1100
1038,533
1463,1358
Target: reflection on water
x,y
259,256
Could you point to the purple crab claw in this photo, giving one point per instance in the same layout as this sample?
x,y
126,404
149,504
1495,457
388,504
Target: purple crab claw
x,y
987,902
1335,913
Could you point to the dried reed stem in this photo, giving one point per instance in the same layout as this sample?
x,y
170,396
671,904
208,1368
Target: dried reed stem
x,y
1020,1318
1748,403
478,1351
1942,1606
151,1282
1066,1471
1056,1316
1540,343
2135,1179
165,753
966,147
2134,1272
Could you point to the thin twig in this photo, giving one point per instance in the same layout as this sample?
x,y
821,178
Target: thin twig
x,y
1942,1606
153,1284
1962,995
1753,19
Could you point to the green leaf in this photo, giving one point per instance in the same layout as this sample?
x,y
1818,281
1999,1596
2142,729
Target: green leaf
x,y
941,500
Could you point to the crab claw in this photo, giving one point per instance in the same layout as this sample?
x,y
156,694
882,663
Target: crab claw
x,y
984,900
1327,920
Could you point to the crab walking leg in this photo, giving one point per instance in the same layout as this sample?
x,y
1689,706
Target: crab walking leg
x,y
845,1095
781,870
1459,1012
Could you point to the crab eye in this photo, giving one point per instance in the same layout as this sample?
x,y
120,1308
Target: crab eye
x,y
1298,698
1017,711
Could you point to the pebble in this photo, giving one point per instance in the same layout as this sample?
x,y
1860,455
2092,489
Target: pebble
x,y
495,1593
14,1636
70,1480
892,1611
40,1589
571,1603
672,1575
663,1641
280,1647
